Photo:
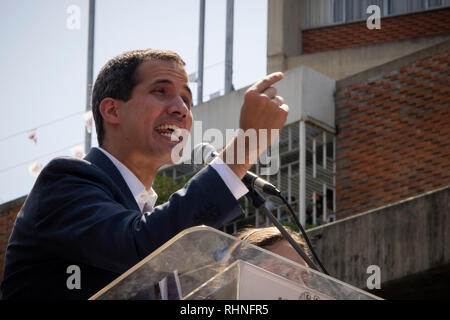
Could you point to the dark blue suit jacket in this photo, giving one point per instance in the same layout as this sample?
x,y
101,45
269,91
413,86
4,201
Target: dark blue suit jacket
x,y
81,212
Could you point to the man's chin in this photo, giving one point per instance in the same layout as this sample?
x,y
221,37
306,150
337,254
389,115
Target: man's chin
x,y
176,157
172,156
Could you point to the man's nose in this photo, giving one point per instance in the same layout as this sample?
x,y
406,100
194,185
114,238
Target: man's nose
x,y
178,107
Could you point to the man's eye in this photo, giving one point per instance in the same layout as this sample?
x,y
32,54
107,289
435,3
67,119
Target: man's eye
x,y
188,103
159,91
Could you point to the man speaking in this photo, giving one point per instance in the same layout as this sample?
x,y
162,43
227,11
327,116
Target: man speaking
x,y
98,213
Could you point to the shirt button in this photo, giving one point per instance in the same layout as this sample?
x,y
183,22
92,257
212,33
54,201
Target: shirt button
x,y
143,197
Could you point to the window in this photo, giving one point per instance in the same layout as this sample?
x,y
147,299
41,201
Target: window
x,y
284,140
309,158
319,153
330,149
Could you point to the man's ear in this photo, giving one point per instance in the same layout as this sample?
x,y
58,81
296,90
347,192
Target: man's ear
x,y
109,110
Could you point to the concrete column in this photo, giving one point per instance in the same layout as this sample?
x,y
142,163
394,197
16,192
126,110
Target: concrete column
x,y
284,36
201,50
90,71
229,47
302,173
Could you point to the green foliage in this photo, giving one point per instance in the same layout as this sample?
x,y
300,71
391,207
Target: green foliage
x,y
250,209
291,225
310,226
165,186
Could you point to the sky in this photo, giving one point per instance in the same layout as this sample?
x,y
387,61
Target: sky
x,y
43,65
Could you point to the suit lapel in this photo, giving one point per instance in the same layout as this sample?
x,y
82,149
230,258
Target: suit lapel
x,y
98,158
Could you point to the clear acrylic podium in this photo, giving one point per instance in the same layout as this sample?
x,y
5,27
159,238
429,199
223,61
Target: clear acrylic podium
x,y
202,263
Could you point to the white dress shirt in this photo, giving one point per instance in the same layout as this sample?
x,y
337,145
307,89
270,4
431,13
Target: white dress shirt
x,y
146,200
140,193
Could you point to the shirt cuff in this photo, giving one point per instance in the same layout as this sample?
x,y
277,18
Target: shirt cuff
x,y
236,186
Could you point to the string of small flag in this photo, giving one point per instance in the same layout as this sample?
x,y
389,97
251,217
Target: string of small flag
x,y
32,133
35,167
77,150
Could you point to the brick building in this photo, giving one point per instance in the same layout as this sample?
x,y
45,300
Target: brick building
x,y
368,132
393,140
8,213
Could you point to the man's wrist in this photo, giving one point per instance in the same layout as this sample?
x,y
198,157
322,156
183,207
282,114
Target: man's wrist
x,y
230,156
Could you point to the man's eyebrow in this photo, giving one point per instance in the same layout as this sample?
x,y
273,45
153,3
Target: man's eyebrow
x,y
170,82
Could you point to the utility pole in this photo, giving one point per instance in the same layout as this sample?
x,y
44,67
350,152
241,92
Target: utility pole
x,y
229,47
90,70
201,48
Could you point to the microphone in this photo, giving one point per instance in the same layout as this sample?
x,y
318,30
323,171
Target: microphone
x,y
204,153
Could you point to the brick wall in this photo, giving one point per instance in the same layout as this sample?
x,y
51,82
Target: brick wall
x,y
393,136
392,29
8,213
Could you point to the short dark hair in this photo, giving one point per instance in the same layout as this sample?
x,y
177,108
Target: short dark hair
x,y
117,79
263,237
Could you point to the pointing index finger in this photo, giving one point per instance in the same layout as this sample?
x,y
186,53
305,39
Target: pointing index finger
x,y
268,81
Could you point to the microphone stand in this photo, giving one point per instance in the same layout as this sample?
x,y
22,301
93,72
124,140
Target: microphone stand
x,y
258,202
303,232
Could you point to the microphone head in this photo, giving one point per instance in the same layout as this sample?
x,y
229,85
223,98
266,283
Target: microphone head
x,y
202,154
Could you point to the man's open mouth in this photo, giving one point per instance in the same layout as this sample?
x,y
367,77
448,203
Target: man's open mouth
x,y
171,131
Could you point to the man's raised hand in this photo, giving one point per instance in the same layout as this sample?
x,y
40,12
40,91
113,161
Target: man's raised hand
x,y
263,114
263,108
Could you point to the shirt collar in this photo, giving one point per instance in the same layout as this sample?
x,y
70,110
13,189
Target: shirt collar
x,y
140,193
